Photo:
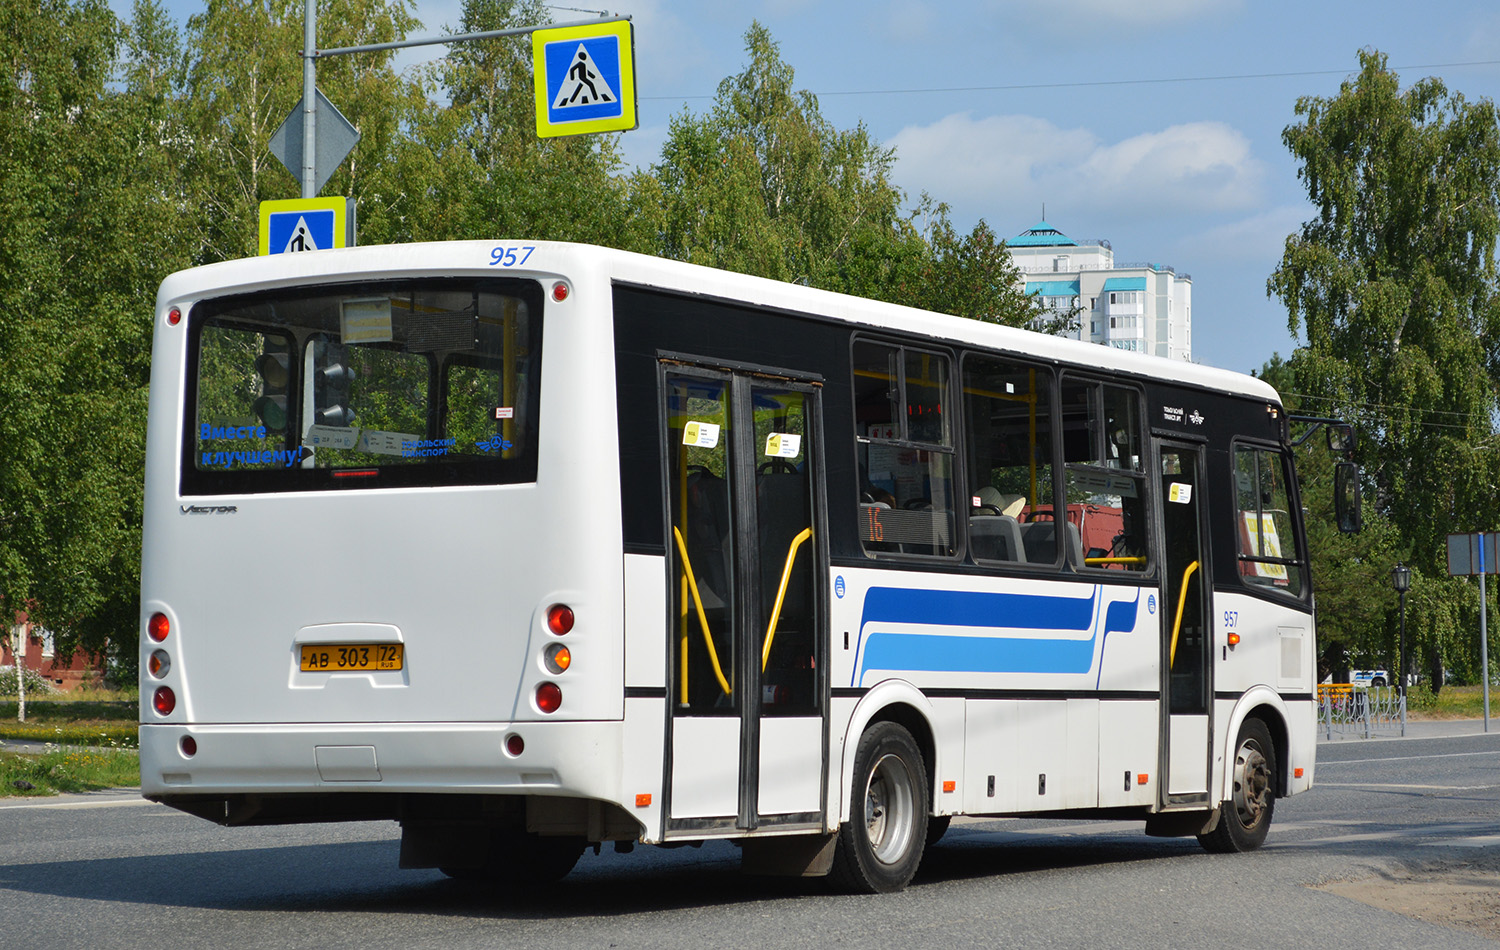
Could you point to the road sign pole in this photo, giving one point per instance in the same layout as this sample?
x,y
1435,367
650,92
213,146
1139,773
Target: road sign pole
x,y
1484,638
309,100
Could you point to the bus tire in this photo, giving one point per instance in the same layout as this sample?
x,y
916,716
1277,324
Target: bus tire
x,y
881,844
1246,814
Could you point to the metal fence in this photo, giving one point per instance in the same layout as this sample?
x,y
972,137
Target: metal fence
x,y
1348,711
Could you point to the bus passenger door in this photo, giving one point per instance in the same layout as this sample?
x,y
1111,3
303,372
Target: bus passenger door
x,y
1187,592
748,727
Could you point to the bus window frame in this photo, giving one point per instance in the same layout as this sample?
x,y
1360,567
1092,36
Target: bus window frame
x,y
957,536
1054,372
1142,474
1302,560
433,473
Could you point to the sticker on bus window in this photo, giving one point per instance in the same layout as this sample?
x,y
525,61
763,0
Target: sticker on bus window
x,y
331,437
1265,543
702,435
505,412
366,320
1180,493
386,443
783,445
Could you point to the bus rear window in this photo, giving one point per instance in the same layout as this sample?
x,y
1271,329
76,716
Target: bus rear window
x,y
371,385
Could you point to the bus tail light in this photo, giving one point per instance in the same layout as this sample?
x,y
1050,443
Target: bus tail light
x,y
560,291
514,745
159,663
158,627
559,618
548,697
164,700
557,658
189,747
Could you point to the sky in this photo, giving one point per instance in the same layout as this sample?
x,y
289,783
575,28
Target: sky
x,y
1152,124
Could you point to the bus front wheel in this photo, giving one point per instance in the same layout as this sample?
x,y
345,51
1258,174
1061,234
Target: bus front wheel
x,y
1245,816
881,844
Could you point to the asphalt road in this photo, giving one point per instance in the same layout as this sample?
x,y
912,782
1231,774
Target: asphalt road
x,y
112,871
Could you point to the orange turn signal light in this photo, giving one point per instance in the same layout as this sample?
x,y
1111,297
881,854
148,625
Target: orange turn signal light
x,y
1297,773
1233,639
1142,778
949,786
643,800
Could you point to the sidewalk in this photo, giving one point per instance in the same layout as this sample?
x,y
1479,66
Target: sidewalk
x,y
1423,729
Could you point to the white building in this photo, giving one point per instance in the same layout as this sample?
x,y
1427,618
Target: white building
x,y
1133,306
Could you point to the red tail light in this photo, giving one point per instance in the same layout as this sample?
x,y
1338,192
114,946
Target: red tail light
x,y
559,618
514,744
164,700
189,746
548,697
158,627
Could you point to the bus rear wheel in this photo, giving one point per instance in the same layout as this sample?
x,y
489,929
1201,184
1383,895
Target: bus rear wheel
x,y
1246,814
881,844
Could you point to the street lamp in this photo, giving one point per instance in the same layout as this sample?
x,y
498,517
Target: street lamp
x,y
1401,580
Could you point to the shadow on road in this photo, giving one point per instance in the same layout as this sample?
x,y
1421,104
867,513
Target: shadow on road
x,y
362,876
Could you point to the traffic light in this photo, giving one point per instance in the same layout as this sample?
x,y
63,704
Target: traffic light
x,y
331,381
275,369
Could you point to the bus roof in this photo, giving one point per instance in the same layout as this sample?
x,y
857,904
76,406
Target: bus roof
x,y
575,261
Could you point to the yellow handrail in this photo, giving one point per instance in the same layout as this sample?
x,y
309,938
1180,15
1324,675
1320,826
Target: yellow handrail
x,y
1096,561
1181,603
786,576
702,617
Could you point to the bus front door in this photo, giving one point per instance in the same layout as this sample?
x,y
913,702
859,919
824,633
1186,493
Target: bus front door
x,y
748,728
1187,591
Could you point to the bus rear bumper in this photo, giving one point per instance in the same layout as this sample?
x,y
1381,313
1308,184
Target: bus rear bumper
x,y
564,759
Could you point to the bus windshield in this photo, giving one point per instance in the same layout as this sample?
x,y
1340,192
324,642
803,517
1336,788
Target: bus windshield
x,y
371,385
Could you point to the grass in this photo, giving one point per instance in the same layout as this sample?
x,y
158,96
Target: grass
x,y
67,770
89,721
1453,702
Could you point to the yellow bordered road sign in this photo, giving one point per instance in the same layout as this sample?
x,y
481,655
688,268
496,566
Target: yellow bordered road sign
x,y
303,224
584,79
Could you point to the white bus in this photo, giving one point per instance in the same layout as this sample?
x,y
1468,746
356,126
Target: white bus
x,y
532,547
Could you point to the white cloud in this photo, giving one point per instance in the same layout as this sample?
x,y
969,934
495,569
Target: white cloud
x,y
1004,167
1258,237
1073,15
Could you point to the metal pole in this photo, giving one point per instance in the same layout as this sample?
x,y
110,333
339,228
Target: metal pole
x,y
1402,672
461,37
309,100
1484,639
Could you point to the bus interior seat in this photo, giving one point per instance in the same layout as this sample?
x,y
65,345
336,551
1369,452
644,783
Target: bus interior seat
x,y
996,538
1039,541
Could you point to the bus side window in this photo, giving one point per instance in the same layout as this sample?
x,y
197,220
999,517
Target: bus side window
x,y
905,450
1104,477
1267,545
1008,428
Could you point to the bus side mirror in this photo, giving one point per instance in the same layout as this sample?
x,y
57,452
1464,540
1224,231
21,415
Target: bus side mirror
x,y
1346,500
1341,439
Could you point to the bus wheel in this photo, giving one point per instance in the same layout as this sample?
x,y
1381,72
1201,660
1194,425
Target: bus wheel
x,y
1246,815
880,846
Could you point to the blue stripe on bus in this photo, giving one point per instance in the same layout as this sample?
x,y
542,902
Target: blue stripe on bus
x,y
939,652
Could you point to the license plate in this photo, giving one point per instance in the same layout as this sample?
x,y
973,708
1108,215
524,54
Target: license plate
x,y
333,657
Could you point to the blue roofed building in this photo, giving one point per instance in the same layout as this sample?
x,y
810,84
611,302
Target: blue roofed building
x,y
1137,306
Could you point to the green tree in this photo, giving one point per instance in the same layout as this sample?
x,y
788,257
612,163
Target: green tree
x,y
1393,285
476,168
88,172
764,184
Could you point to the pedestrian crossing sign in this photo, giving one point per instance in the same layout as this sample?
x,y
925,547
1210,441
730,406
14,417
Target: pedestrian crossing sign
x,y
303,224
584,79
